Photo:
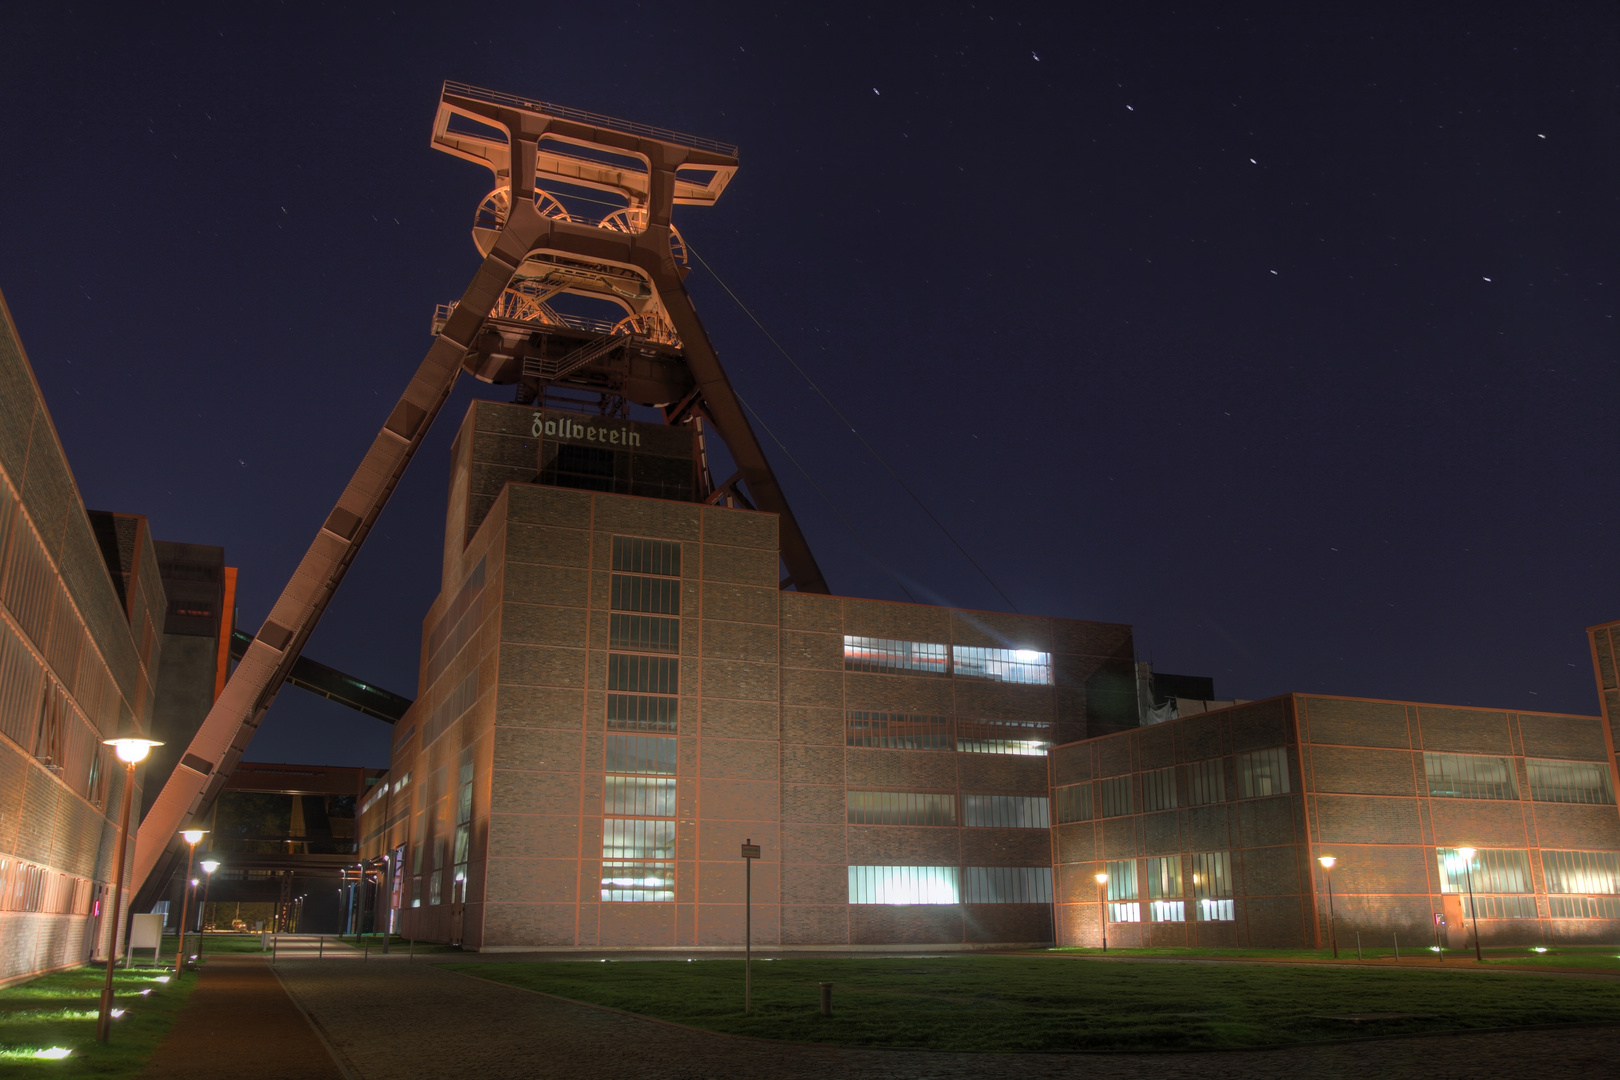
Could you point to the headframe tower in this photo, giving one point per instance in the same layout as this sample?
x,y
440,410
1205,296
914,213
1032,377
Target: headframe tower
x,y
513,325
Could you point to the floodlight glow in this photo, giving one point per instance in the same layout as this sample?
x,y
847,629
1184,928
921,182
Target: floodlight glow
x,y
131,751
1327,861
54,1053
148,990
1434,948
209,865
1028,656
1539,948
191,836
162,978
116,1013
1466,852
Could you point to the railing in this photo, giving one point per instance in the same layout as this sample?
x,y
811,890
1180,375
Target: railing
x,y
441,315
547,108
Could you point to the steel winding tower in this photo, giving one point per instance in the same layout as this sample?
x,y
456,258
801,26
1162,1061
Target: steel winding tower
x,y
513,325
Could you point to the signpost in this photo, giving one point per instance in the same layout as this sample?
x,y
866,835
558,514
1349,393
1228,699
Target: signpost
x,y
750,852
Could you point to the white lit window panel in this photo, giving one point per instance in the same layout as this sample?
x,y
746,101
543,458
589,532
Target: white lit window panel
x,y
1002,665
885,655
904,885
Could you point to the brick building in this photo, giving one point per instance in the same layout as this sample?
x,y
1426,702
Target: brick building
x,y
616,693
81,613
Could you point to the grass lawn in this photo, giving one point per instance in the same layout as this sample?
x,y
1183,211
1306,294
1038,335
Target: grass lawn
x,y
1587,957
60,1011
1050,1004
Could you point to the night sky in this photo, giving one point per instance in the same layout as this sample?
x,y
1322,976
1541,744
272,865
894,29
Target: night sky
x,y
1288,339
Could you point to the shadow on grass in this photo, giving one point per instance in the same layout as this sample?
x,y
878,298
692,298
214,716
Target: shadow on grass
x,y
1034,1004
60,1011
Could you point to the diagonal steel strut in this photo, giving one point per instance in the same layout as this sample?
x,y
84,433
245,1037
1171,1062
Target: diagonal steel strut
x,y
235,716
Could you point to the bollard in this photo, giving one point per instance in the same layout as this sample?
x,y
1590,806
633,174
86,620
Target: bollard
x,y
826,999
320,947
272,948
1358,944
368,951
1397,939
412,955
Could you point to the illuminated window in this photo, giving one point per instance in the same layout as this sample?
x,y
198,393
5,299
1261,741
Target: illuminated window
x,y
897,731
1073,803
1262,773
644,633
1122,895
1116,796
904,885
1212,886
1159,789
1469,776
882,654
1002,665
640,754
1006,885
901,808
461,853
639,796
1005,811
1165,903
1206,782
1501,882
632,882
1595,873
1029,738
1569,781
643,556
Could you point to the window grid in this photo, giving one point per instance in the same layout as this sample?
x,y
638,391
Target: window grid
x,y
1002,665
904,885
625,881
637,712
901,808
897,731
1206,782
644,633
1500,907
639,555
1005,811
1594,873
657,596
1159,789
640,754
1164,878
1469,776
639,796
1116,796
1122,880
1029,738
1073,803
886,655
462,851
644,674
1007,885
1262,773
1584,907
1495,870
1569,781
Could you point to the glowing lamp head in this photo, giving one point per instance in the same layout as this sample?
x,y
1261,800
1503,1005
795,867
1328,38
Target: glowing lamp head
x,y
193,835
131,751
210,865
1102,879
1466,852
195,882
1327,861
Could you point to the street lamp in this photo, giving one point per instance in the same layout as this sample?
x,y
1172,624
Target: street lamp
x,y
131,752
209,866
1468,854
1327,862
191,836
1102,908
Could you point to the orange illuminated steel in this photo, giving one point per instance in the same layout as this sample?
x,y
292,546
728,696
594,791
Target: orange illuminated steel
x,y
506,328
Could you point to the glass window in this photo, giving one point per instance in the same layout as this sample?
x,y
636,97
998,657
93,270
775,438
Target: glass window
x,y
659,596
901,808
1494,870
639,796
882,654
1165,903
1262,773
639,712
1584,907
644,633
1116,796
1569,781
904,885
1007,885
1212,886
461,851
644,674
639,555
1005,811
640,754
1206,782
1122,893
1073,803
638,839
630,882
897,731
1469,776
1026,737
1002,665
1159,789
1595,873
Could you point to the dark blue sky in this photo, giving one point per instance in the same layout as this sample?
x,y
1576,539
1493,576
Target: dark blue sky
x,y
1287,338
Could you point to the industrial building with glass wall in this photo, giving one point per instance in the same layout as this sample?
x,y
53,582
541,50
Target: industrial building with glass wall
x,y
616,693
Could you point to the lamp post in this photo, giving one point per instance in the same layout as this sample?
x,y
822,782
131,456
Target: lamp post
x,y
1327,862
1468,854
209,866
1102,908
191,837
131,752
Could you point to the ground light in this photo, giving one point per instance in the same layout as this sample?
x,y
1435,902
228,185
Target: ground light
x,y
1539,948
131,751
54,1053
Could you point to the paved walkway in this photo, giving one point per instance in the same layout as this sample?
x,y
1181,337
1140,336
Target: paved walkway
x,y
239,1024
418,1022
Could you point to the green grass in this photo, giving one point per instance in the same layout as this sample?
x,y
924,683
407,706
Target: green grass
x,y
1060,1005
60,1010
1586,957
